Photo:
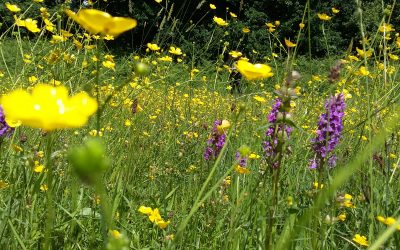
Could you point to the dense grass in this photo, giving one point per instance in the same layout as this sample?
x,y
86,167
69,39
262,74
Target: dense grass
x,y
155,129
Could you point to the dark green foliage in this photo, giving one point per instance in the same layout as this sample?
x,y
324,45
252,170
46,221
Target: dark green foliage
x,y
189,24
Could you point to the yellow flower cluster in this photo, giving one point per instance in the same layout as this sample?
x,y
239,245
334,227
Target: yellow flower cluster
x,y
154,216
388,221
48,107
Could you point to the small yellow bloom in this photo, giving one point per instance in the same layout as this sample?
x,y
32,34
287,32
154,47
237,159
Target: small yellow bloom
x,y
153,46
155,216
242,170
99,22
302,25
212,6
145,210
17,148
289,43
235,54
115,233
254,156
109,38
233,15
109,64
165,59
162,224
324,17
3,184
158,1
380,218
32,79
353,58
363,71
245,30
220,22
38,168
127,123
386,27
175,50
289,200
260,99
225,125
254,71
44,187
363,53
316,185
361,240
342,217
393,57
271,27
335,11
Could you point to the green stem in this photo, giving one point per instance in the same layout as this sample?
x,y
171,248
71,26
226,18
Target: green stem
x,y
325,39
106,217
269,239
97,84
50,197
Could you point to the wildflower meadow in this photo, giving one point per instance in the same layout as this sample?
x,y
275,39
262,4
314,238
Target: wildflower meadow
x,y
171,124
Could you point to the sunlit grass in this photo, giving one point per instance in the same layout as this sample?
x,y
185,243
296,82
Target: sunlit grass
x,y
145,182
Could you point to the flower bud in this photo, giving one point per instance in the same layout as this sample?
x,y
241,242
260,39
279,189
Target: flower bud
x,y
142,69
88,160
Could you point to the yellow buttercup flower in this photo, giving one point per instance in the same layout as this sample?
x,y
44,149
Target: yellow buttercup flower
x,y
145,210
99,22
254,71
245,30
393,57
335,11
363,53
48,107
225,125
155,216
386,27
235,54
162,224
362,240
241,170
259,99
289,43
220,22
116,234
153,46
233,15
165,59
28,23
175,50
324,17
13,7
362,71
212,6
